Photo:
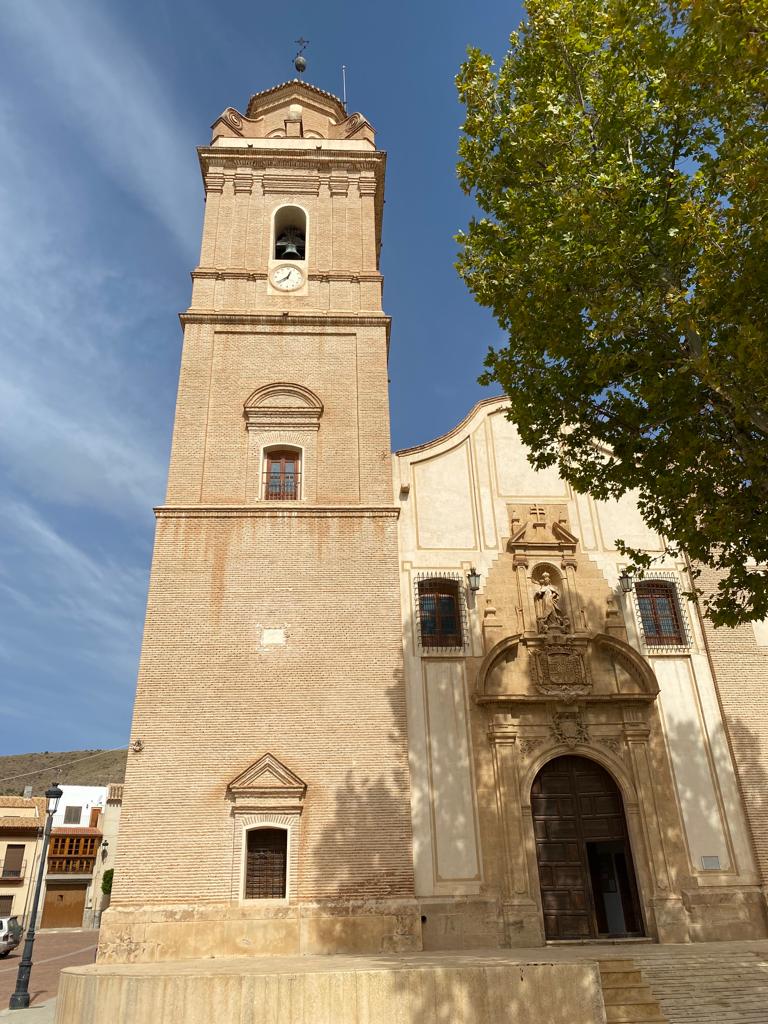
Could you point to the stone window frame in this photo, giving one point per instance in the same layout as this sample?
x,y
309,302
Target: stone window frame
x,y
461,594
282,415
266,794
289,822
673,580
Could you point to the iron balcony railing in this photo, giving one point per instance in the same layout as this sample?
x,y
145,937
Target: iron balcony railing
x,y
286,487
15,874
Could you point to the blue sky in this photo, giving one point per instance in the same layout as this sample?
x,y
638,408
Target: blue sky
x,y
101,107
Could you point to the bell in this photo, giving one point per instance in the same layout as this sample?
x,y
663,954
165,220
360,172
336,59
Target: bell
x,y
288,243
289,251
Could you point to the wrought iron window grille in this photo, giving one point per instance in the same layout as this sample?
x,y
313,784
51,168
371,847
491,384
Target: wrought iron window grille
x,y
440,640
659,643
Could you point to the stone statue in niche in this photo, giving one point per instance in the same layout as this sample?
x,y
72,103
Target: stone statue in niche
x,y
547,603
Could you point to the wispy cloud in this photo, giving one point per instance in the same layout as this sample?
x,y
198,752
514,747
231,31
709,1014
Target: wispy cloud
x,y
87,379
71,623
117,104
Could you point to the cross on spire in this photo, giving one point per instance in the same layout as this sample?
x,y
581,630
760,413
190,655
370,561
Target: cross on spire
x,y
299,61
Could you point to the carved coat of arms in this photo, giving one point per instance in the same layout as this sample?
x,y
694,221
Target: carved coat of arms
x,y
569,727
561,671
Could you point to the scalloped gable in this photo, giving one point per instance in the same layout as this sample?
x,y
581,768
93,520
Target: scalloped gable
x,y
295,89
268,777
268,115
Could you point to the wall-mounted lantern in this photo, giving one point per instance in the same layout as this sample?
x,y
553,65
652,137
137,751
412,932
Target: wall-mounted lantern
x,y
473,579
626,582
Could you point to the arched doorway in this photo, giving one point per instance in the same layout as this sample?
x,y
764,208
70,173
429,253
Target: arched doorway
x,y
587,879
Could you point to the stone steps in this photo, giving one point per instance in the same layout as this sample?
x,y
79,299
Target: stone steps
x,y
627,996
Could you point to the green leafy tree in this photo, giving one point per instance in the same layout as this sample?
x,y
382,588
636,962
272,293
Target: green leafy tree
x,y
106,881
620,156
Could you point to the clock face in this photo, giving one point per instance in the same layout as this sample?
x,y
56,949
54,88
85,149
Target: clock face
x,y
287,278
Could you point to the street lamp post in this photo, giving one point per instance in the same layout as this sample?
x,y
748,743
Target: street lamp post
x,y
20,998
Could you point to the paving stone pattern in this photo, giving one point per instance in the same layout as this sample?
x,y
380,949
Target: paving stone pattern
x,y
722,982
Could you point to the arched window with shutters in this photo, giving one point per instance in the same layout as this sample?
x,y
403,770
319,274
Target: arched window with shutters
x,y
660,613
440,612
266,864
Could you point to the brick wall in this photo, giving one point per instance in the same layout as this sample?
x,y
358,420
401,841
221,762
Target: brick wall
x,y
741,675
211,700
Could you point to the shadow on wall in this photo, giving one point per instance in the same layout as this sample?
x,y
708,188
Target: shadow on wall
x,y
751,753
460,987
364,849
735,914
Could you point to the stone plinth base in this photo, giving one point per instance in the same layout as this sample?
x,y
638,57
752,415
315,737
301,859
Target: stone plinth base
x,y
467,988
138,934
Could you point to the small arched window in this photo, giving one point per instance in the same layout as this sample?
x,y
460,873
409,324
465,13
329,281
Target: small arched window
x,y
660,613
290,234
266,861
282,474
440,612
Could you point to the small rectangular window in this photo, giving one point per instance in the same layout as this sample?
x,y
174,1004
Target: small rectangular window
x,y
72,815
14,861
265,867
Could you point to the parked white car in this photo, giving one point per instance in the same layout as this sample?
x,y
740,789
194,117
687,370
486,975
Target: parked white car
x,y
10,934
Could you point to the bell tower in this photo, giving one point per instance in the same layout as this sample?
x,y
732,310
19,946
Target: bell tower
x,y
266,805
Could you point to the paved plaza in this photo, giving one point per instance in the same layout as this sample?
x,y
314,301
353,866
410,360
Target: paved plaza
x,y
54,949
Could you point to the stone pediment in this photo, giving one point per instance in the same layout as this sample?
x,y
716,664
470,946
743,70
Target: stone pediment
x,y
283,405
268,778
564,667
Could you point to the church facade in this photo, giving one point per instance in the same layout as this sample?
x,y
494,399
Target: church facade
x,y
571,773
389,703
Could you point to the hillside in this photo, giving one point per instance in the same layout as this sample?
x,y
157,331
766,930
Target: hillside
x,y
39,770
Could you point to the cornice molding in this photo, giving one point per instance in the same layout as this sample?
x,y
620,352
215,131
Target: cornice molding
x,y
213,160
240,274
340,318
277,510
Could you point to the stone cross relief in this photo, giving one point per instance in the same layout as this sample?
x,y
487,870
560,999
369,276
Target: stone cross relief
x,y
547,603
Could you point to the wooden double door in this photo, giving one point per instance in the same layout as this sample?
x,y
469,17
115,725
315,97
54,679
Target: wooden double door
x,y
588,885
